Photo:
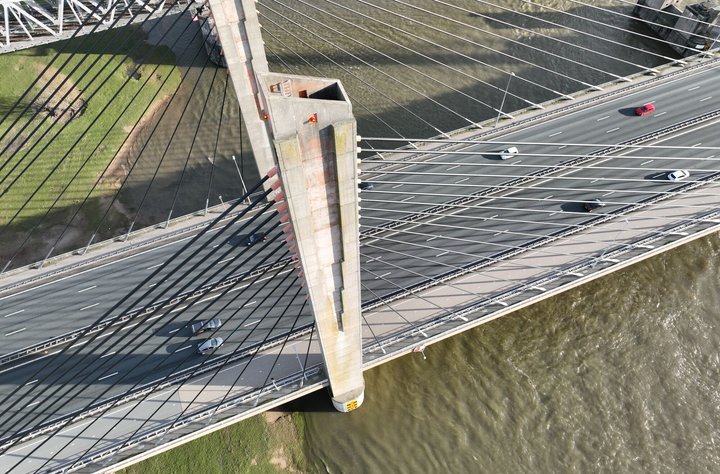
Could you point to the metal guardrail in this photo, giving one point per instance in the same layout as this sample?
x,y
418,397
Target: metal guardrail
x,y
280,388
146,389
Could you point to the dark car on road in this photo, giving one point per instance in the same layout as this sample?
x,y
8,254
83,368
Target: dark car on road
x,y
594,204
252,239
645,109
365,186
202,326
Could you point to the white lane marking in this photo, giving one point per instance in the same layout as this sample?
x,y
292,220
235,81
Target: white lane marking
x,y
613,129
706,98
180,308
11,314
154,284
88,288
438,255
711,156
554,134
501,232
107,376
608,194
464,179
398,185
174,331
693,88
32,382
216,246
108,354
88,307
155,317
452,167
81,343
408,198
596,179
15,332
548,197
253,302
561,147
659,114
129,326
603,118
106,335
226,260
383,275
431,238
32,404
516,162
155,266
646,162
209,298
252,323
183,348
553,213
697,144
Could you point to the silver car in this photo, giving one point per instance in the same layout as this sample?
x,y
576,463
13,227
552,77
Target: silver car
x,y
202,326
209,345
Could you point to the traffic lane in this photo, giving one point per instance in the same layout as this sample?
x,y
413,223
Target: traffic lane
x,y
101,296
390,267
614,120
452,247
101,371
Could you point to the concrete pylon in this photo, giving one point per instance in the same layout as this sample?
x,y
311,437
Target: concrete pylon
x,y
305,127
238,30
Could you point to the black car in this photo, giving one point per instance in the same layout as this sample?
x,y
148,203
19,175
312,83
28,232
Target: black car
x,y
594,204
252,239
365,186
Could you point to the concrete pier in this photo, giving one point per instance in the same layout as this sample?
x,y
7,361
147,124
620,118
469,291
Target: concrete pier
x,y
305,126
315,144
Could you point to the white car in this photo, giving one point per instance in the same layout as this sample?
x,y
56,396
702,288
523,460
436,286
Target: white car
x,y
677,175
509,153
209,345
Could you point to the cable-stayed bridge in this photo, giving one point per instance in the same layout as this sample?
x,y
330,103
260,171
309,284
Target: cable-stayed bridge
x,y
99,362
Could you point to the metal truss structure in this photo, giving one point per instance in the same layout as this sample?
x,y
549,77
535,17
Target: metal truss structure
x,y
27,23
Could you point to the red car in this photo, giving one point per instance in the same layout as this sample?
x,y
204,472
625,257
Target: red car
x,y
645,109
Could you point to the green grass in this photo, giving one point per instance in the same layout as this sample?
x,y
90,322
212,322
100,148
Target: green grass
x,y
252,445
41,168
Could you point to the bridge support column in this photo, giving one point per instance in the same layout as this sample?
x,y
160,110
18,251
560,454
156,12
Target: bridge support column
x,y
306,126
315,144
238,30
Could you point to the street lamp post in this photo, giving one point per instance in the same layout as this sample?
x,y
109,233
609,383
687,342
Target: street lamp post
x,y
512,74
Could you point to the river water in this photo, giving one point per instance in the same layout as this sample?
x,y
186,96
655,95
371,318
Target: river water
x,y
620,375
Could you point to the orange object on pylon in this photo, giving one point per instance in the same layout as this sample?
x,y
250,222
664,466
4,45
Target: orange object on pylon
x,y
313,118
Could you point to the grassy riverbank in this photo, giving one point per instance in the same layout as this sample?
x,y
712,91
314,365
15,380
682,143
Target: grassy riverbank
x,y
272,443
67,115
